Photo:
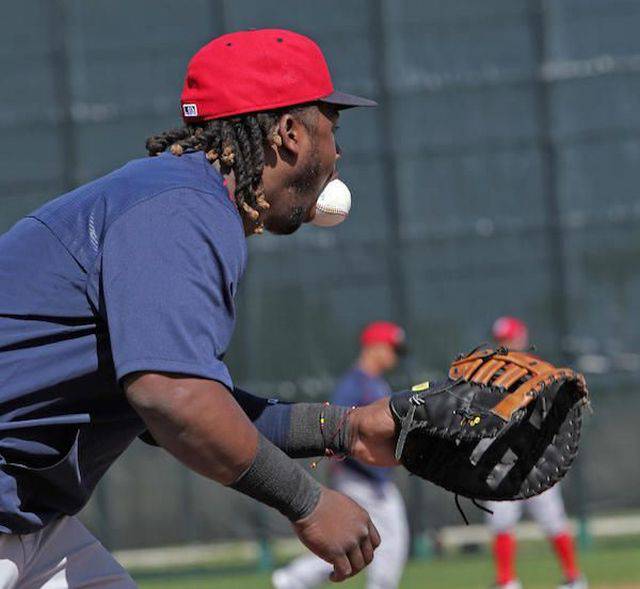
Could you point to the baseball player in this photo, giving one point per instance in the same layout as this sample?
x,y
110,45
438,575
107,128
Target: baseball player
x,y
382,343
117,308
547,509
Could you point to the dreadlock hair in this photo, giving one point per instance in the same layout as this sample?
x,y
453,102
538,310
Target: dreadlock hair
x,y
237,143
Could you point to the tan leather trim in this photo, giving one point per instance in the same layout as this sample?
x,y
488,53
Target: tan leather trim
x,y
531,363
526,393
510,375
483,364
484,374
464,368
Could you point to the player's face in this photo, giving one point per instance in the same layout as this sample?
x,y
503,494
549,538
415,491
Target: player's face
x,y
389,357
314,167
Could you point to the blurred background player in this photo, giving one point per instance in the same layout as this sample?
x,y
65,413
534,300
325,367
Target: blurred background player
x,y
382,343
546,509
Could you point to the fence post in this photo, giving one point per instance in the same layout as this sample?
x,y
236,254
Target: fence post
x,y
395,268
556,245
63,95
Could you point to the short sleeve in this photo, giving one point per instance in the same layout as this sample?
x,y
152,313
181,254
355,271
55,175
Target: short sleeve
x,y
169,270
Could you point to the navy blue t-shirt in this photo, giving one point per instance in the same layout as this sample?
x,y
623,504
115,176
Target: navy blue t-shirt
x,y
355,389
134,271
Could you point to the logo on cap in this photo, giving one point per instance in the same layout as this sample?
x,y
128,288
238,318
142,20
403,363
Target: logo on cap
x,y
190,110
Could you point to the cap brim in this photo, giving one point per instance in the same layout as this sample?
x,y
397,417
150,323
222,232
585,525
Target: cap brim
x,y
344,100
401,349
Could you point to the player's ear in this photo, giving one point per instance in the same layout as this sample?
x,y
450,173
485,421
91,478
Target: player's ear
x,y
291,132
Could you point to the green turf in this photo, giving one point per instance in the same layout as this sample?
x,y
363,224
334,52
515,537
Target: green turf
x,y
606,565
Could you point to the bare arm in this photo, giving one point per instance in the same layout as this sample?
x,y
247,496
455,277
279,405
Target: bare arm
x,y
200,423
196,420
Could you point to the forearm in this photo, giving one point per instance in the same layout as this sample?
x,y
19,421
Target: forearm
x,y
300,430
201,424
197,421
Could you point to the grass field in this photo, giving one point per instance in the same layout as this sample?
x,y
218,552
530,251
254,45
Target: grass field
x,y
607,565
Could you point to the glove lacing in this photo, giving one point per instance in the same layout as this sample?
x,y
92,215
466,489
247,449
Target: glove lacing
x,y
478,505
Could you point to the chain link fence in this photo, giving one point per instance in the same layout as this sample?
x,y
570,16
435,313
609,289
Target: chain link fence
x,y
498,176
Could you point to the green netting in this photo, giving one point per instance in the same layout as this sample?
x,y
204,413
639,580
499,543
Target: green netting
x,y
499,176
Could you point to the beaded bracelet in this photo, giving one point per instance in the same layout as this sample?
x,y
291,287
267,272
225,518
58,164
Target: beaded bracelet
x,y
328,452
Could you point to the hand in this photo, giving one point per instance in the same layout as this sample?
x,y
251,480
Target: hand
x,y
339,531
373,434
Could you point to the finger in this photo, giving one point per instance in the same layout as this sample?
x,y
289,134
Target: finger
x,y
356,558
341,569
373,534
367,550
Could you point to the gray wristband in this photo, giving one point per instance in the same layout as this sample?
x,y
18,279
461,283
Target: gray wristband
x,y
276,480
307,437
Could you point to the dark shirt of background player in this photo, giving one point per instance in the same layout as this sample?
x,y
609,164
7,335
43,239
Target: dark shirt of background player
x,y
381,345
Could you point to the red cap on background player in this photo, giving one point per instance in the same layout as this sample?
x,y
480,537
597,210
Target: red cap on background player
x,y
258,70
384,332
510,329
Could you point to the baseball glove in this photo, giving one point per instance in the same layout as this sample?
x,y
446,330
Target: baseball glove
x,y
504,425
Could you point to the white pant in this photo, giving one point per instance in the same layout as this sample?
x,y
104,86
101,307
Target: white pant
x,y
547,509
63,555
386,509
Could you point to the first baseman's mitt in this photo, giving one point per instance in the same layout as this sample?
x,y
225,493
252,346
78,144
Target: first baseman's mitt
x,y
504,425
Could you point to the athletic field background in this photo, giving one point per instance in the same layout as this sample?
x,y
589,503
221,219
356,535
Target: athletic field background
x,y
610,564
499,176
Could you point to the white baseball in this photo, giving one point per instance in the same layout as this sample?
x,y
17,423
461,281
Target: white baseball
x,y
333,205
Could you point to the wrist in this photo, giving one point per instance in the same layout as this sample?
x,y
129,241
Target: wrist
x,y
354,420
373,434
279,482
318,429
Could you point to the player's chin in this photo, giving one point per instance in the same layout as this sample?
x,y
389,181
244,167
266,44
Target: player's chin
x,y
286,225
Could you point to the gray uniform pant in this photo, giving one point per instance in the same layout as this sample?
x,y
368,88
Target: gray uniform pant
x,y
386,509
63,555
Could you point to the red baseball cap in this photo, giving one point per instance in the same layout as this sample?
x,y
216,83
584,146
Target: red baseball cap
x,y
258,70
384,332
508,328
